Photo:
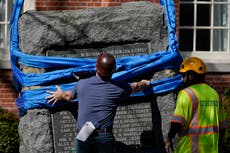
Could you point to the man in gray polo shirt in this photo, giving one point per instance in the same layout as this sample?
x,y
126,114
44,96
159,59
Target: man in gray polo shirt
x,y
98,97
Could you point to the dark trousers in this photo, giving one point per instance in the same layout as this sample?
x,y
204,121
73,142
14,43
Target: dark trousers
x,y
97,143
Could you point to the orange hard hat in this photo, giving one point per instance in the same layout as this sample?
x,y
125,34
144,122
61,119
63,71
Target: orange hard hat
x,y
194,64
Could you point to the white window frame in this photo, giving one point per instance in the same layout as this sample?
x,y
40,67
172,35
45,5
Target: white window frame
x,y
28,5
216,61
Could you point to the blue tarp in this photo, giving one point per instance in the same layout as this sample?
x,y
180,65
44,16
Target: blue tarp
x,y
132,66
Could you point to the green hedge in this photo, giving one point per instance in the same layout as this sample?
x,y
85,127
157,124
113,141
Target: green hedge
x,y
9,138
226,102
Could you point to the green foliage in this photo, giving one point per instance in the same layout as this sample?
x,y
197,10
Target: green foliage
x,y
226,103
9,138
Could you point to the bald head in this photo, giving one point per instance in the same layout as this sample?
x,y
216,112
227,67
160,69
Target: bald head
x,y
106,64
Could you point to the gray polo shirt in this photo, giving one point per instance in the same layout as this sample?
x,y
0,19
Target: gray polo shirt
x,y
98,100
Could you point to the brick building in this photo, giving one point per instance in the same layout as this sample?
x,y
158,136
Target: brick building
x,y
203,29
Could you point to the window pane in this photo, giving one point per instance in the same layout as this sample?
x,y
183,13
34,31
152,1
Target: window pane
x,y
4,49
186,40
203,40
220,0
220,15
10,8
4,54
186,14
205,0
203,15
2,10
220,39
2,36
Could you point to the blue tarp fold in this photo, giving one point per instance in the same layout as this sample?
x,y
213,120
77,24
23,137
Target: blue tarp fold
x,y
128,67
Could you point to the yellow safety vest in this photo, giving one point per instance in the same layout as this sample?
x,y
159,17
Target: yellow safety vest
x,y
200,112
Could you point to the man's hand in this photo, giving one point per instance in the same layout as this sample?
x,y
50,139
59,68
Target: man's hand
x,y
55,95
168,145
144,84
139,86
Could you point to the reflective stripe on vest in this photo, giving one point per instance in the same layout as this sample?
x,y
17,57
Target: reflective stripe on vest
x,y
200,130
194,100
179,119
194,130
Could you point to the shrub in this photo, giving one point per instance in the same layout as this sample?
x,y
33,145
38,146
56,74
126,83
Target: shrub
x,y
9,138
226,103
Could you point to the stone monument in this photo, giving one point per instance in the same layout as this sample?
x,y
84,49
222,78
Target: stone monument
x,y
133,28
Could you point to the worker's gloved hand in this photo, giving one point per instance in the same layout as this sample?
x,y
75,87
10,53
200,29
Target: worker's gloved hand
x,y
168,145
55,95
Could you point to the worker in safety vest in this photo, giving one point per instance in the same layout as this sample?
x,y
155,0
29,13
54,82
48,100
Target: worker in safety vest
x,y
199,117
